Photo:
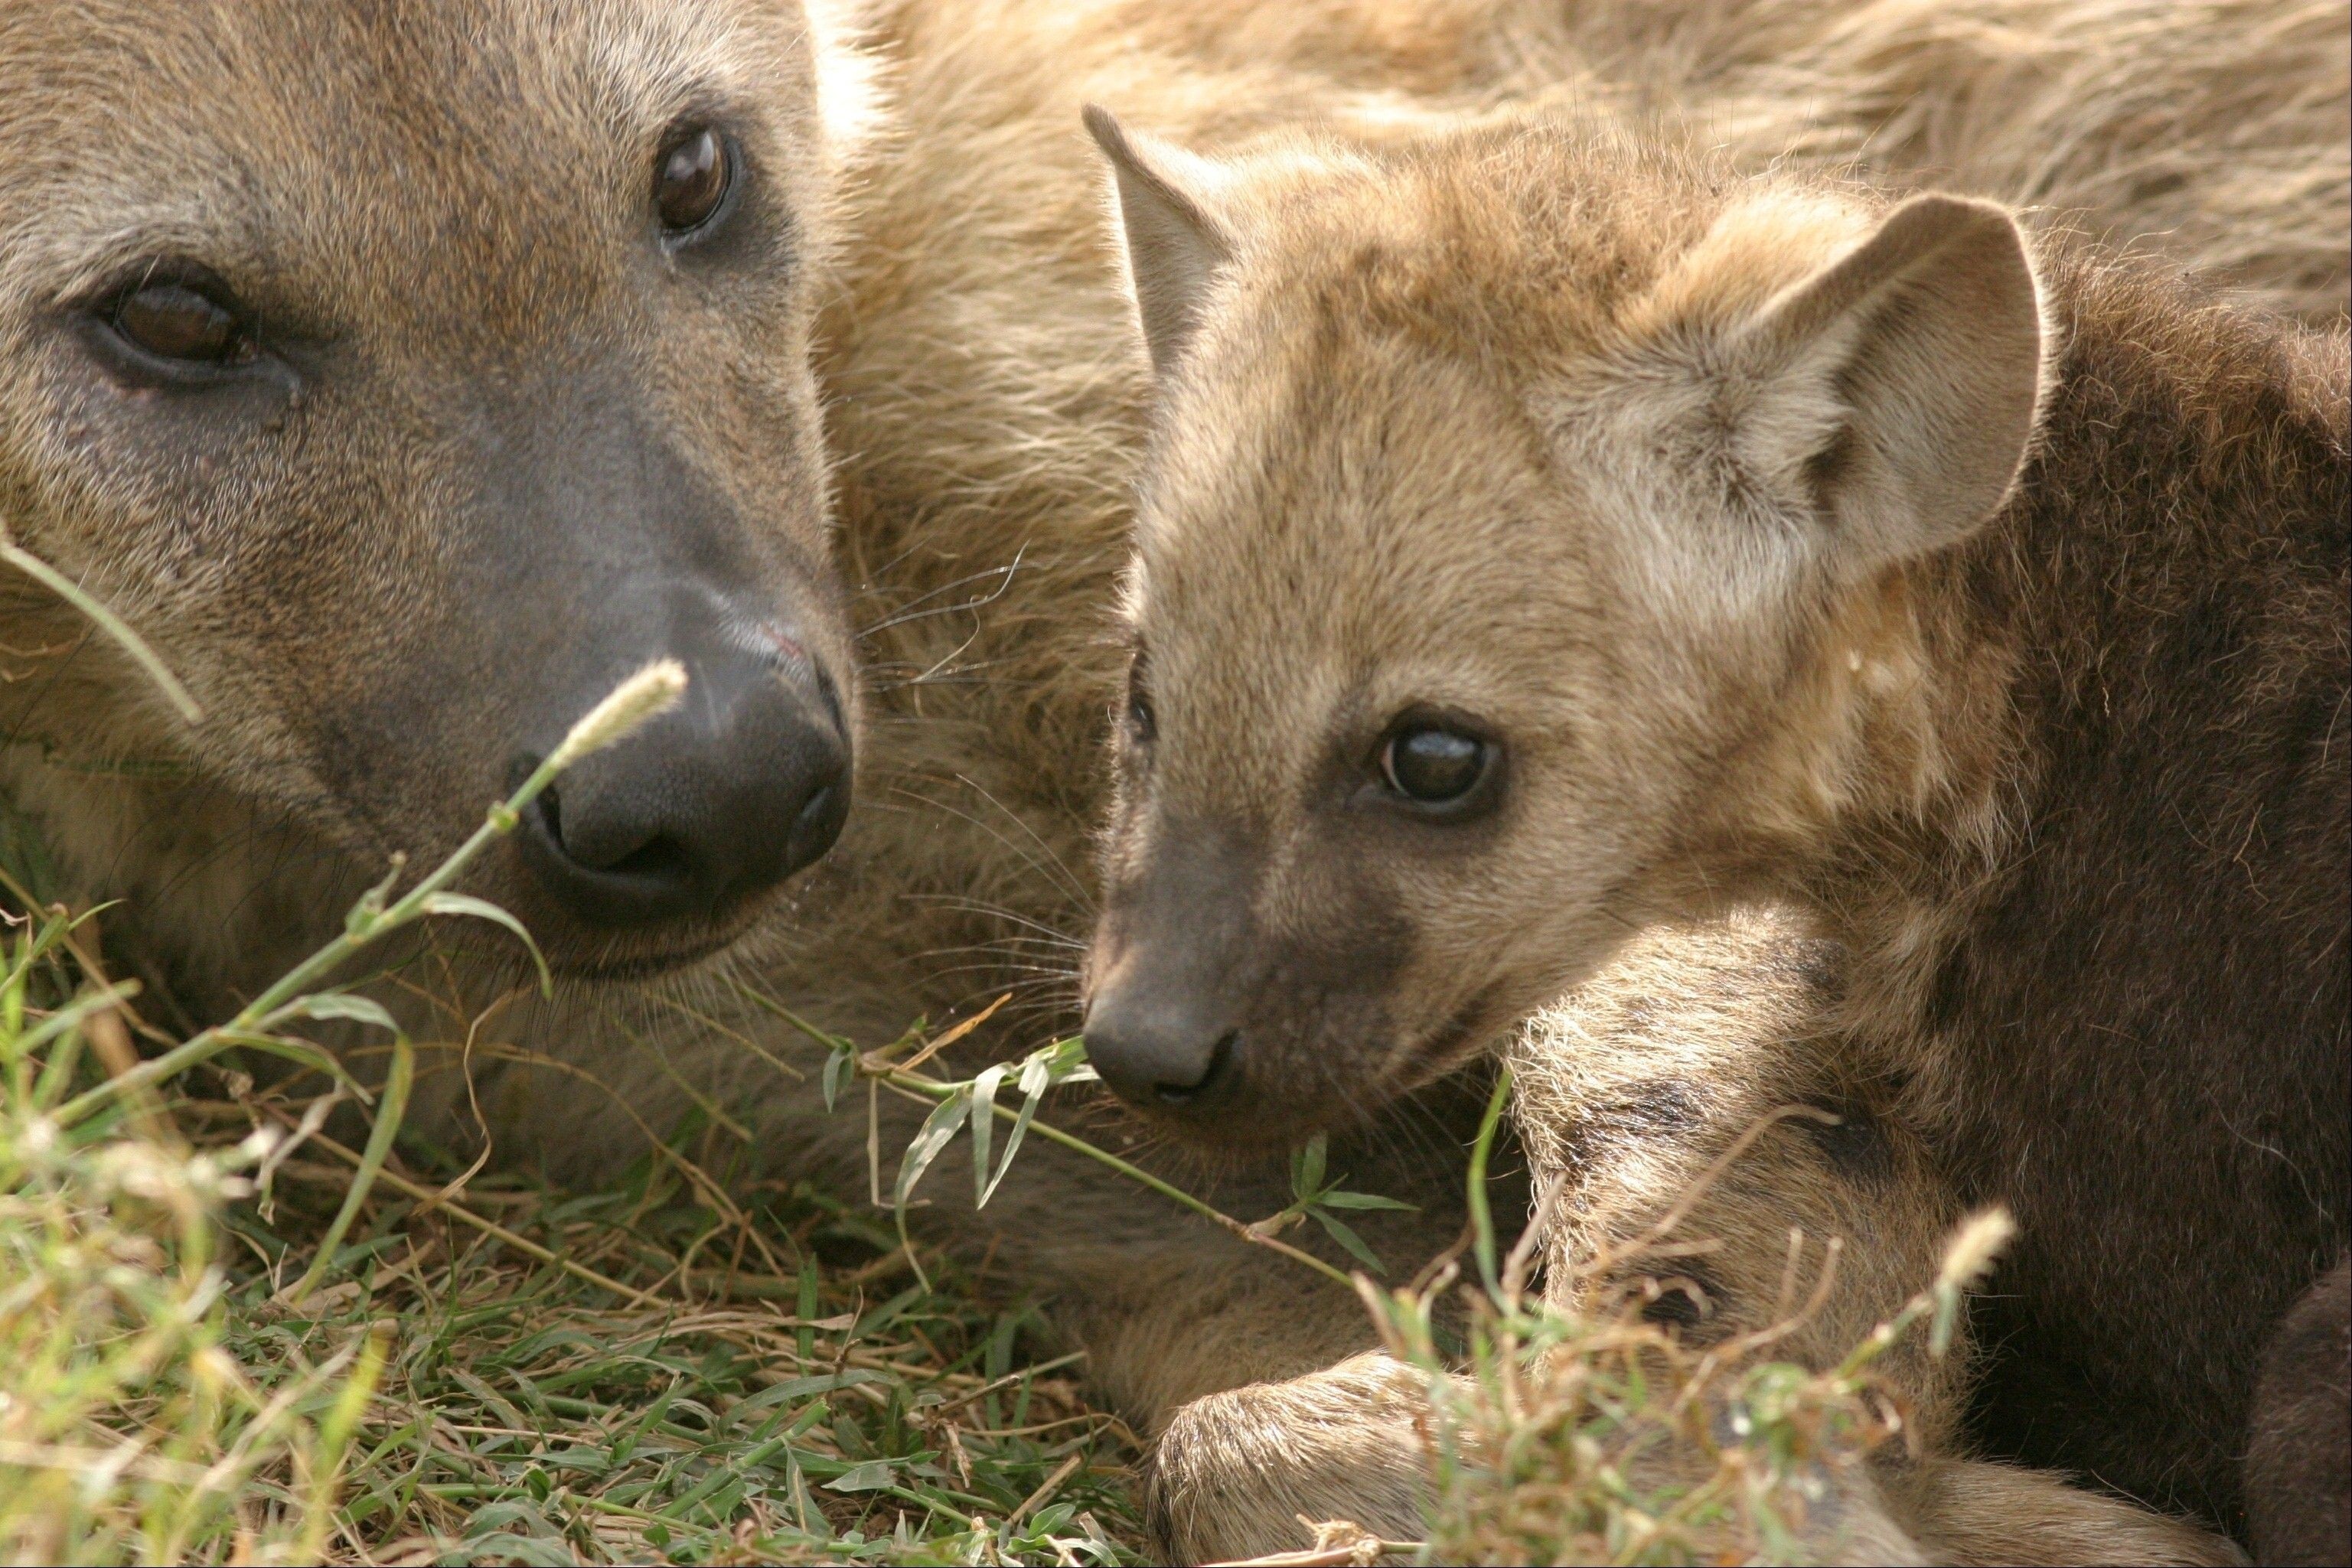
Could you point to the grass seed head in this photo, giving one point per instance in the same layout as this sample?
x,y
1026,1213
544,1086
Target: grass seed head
x,y
635,703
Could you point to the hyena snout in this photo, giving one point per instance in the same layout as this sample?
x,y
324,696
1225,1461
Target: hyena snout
x,y
1216,1022
1170,977
713,804
1164,1047
1246,1053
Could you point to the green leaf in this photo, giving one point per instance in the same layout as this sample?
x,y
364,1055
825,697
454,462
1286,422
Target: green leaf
x,y
939,1128
1346,1236
871,1476
1036,1077
1066,1062
388,1113
1338,1199
1306,1166
984,1128
466,904
843,1057
303,1053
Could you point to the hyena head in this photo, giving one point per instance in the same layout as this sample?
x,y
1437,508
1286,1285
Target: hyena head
x,y
1505,491
407,375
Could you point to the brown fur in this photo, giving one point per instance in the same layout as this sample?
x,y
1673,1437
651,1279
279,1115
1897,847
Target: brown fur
x,y
986,406
2298,1482
1525,425
1636,1086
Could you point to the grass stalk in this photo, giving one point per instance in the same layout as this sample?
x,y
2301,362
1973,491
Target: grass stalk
x,y
914,1085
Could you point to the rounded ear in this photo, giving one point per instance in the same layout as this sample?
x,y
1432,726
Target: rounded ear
x,y
1900,382
1174,243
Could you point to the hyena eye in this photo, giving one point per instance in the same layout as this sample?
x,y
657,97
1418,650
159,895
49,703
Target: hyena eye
x,y
181,322
693,174
1431,765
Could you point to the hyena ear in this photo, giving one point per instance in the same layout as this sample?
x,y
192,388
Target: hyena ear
x,y
1175,242
1899,383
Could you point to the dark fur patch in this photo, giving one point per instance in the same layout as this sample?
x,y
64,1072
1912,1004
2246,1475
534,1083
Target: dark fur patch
x,y
2146,1016
2299,1463
1854,1145
1661,1109
1685,1300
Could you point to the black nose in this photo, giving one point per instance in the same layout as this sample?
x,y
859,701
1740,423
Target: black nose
x,y
744,783
1155,1053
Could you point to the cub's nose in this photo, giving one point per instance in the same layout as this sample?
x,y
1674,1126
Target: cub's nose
x,y
742,784
1156,1052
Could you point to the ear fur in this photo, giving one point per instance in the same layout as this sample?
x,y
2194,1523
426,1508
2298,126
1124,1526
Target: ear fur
x,y
1900,382
1175,243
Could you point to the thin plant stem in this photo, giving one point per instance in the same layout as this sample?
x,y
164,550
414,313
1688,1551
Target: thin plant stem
x,y
1482,1217
388,1114
107,621
916,1084
370,919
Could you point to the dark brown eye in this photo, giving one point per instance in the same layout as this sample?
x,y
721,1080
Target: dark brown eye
x,y
1431,766
690,180
176,321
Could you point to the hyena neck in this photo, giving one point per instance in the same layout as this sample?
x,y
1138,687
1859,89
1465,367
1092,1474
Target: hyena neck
x,y
2037,733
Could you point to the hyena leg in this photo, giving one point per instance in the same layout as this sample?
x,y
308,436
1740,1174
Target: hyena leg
x,y
1171,1311
1189,1333
1970,1513
1236,1472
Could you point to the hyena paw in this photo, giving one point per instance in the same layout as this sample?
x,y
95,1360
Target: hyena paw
x,y
1234,1473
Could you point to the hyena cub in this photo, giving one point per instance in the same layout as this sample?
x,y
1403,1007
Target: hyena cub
x,y
1545,538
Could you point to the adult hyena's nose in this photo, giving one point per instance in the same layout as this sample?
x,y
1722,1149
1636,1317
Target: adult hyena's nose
x,y
742,784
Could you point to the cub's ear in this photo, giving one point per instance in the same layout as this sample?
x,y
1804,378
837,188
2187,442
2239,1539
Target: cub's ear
x,y
1899,383
1175,242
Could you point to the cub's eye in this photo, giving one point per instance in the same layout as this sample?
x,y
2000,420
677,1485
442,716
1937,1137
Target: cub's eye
x,y
692,174
181,322
1433,766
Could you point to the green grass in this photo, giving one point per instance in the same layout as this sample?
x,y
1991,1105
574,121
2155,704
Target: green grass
x,y
774,1388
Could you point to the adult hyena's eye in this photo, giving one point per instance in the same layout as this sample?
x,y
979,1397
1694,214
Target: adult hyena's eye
x,y
182,323
1432,766
692,175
